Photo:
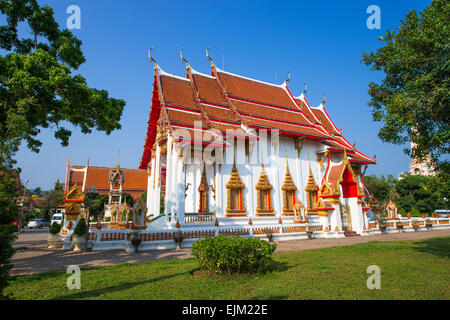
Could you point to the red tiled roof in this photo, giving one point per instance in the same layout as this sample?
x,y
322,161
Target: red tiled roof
x,y
135,180
225,101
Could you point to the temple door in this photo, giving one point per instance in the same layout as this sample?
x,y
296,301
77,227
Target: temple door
x,y
346,218
349,190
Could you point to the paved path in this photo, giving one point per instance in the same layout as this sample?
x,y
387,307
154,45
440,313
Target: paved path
x,y
325,243
37,258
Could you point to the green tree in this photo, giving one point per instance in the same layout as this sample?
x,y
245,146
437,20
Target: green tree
x,y
53,199
37,191
98,204
37,86
412,101
424,193
381,188
8,213
39,90
126,197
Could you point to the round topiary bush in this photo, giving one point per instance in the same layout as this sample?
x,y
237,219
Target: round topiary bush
x,y
81,228
54,228
233,254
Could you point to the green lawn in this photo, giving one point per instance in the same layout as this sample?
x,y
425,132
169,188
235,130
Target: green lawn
x,y
409,270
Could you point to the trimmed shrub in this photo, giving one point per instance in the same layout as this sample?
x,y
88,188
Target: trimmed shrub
x,y
81,228
233,254
54,228
415,212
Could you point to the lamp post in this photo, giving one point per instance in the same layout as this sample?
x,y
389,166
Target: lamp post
x,y
91,192
446,206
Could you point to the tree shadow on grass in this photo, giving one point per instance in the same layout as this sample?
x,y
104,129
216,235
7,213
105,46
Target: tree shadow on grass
x,y
278,266
437,246
120,287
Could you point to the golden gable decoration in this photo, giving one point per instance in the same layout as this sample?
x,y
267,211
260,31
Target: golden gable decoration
x,y
263,196
329,192
72,202
346,164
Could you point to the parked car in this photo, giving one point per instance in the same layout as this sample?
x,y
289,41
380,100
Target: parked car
x,y
57,217
38,223
443,213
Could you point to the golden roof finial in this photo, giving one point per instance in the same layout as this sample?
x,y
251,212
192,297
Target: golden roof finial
x,y
354,145
209,58
151,58
324,98
304,91
183,59
288,78
375,157
340,130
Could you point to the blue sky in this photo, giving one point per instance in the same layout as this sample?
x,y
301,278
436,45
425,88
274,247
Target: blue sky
x,y
319,42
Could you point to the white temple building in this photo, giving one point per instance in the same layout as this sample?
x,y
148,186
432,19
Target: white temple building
x,y
226,149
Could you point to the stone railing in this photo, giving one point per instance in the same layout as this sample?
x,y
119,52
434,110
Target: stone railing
x,y
408,225
199,218
106,239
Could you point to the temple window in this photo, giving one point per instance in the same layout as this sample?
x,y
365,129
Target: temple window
x,y
203,190
263,189
235,194
288,189
311,194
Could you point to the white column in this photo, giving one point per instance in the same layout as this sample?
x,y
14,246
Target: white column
x,y
150,189
274,169
180,189
157,189
168,203
220,192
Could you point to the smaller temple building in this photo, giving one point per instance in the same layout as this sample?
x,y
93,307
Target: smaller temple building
x,y
113,182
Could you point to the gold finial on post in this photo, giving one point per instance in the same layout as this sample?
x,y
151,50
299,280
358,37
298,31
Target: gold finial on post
x,y
209,58
183,59
151,58
324,99
304,91
288,78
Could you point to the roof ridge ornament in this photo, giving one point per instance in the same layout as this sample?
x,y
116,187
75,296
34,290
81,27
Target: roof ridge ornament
x,y
306,87
151,58
183,59
288,78
324,99
209,58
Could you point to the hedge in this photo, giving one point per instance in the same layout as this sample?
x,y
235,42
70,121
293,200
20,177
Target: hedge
x,y
233,254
